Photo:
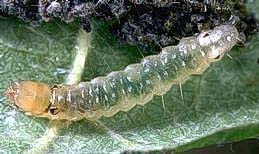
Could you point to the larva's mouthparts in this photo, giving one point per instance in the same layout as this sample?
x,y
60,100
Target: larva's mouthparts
x,y
30,97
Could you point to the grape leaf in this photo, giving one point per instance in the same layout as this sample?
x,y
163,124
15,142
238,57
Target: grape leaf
x,y
221,105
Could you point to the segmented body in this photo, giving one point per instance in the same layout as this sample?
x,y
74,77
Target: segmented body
x,y
138,83
122,90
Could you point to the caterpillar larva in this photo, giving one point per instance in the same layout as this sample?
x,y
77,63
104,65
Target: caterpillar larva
x,y
122,90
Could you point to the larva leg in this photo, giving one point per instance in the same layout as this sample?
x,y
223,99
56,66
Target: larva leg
x,y
229,56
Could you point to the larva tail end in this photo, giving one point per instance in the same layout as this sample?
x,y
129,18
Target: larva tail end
x,y
218,41
30,97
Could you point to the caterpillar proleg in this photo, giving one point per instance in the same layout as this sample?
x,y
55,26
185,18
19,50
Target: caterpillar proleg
x,y
122,90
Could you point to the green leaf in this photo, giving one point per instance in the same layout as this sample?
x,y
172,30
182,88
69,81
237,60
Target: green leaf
x,y
221,105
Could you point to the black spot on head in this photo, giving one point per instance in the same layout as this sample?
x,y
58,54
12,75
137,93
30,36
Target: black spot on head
x,y
258,60
53,110
55,86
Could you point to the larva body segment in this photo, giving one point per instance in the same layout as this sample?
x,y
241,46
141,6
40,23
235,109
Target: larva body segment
x,y
138,83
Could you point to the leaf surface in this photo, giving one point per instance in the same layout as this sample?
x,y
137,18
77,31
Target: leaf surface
x,y
221,105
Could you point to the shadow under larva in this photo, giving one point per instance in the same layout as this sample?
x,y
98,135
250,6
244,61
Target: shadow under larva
x,y
122,90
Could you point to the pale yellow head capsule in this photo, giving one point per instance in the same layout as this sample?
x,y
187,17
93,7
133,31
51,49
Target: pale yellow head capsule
x,y
40,100
30,97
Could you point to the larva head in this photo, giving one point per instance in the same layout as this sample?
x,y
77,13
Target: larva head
x,y
30,97
215,43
